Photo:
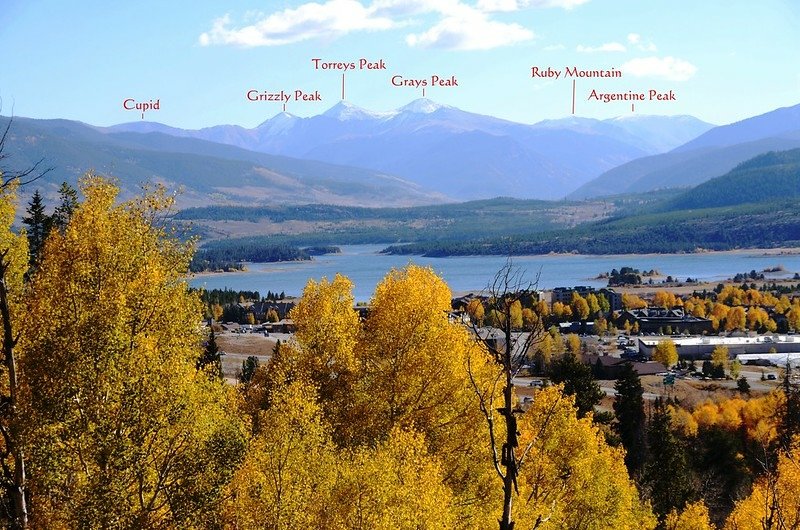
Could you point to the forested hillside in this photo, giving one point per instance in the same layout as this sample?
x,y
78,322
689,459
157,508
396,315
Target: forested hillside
x,y
771,176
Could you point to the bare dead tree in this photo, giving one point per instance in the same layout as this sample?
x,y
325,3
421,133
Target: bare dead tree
x,y
12,459
509,351
25,176
13,477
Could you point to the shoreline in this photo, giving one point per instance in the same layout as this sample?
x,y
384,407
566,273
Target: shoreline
x,y
761,252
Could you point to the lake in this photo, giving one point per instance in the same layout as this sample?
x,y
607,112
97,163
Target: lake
x,y
366,267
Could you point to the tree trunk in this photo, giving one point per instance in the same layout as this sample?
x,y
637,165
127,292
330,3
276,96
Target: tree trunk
x,y
508,456
17,489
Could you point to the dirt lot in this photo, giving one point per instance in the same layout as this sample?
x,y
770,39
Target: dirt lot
x,y
690,392
239,346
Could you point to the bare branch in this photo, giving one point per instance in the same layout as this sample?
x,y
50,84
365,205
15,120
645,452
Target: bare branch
x,y
24,177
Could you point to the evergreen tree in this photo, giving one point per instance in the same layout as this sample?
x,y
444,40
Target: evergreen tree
x,y
631,419
667,473
578,381
249,367
38,226
211,356
63,212
742,385
789,422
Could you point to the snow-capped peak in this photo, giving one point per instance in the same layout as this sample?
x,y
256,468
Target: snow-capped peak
x,y
422,106
280,122
344,110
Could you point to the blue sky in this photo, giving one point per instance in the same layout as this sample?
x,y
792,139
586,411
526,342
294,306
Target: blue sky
x,y
724,60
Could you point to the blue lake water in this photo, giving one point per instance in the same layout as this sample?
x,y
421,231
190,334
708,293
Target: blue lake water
x,y
366,267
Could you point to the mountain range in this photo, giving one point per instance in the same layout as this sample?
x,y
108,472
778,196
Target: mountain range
x,y
461,154
711,154
421,153
205,172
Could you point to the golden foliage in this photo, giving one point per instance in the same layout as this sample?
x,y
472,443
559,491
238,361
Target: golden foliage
x,y
631,301
580,307
665,299
573,343
693,517
720,356
666,353
570,477
327,326
774,501
397,485
758,416
290,467
118,417
476,311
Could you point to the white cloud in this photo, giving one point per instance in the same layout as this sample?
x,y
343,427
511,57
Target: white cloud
x,y
468,29
668,68
403,8
516,5
451,24
308,21
607,47
636,40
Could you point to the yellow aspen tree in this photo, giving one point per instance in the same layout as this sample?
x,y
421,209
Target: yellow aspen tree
x,y
516,315
123,430
396,485
666,353
544,351
793,317
542,308
694,516
327,325
664,299
600,326
558,340
756,318
720,311
720,357
290,468
529,318
328,330
569,476
573,343
594,305
736,319
774,502
698,309
216,312
415,376
580,308
783,305
631,301
476,311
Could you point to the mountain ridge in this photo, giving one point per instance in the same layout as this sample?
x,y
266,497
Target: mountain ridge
x,y
711,154
544,160
208,172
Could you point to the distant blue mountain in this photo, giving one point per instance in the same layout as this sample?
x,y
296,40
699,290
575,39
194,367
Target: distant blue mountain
x,y
711,154
205,172
457,153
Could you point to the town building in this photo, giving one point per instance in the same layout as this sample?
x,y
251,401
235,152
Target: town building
x,y
761,346
661,320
